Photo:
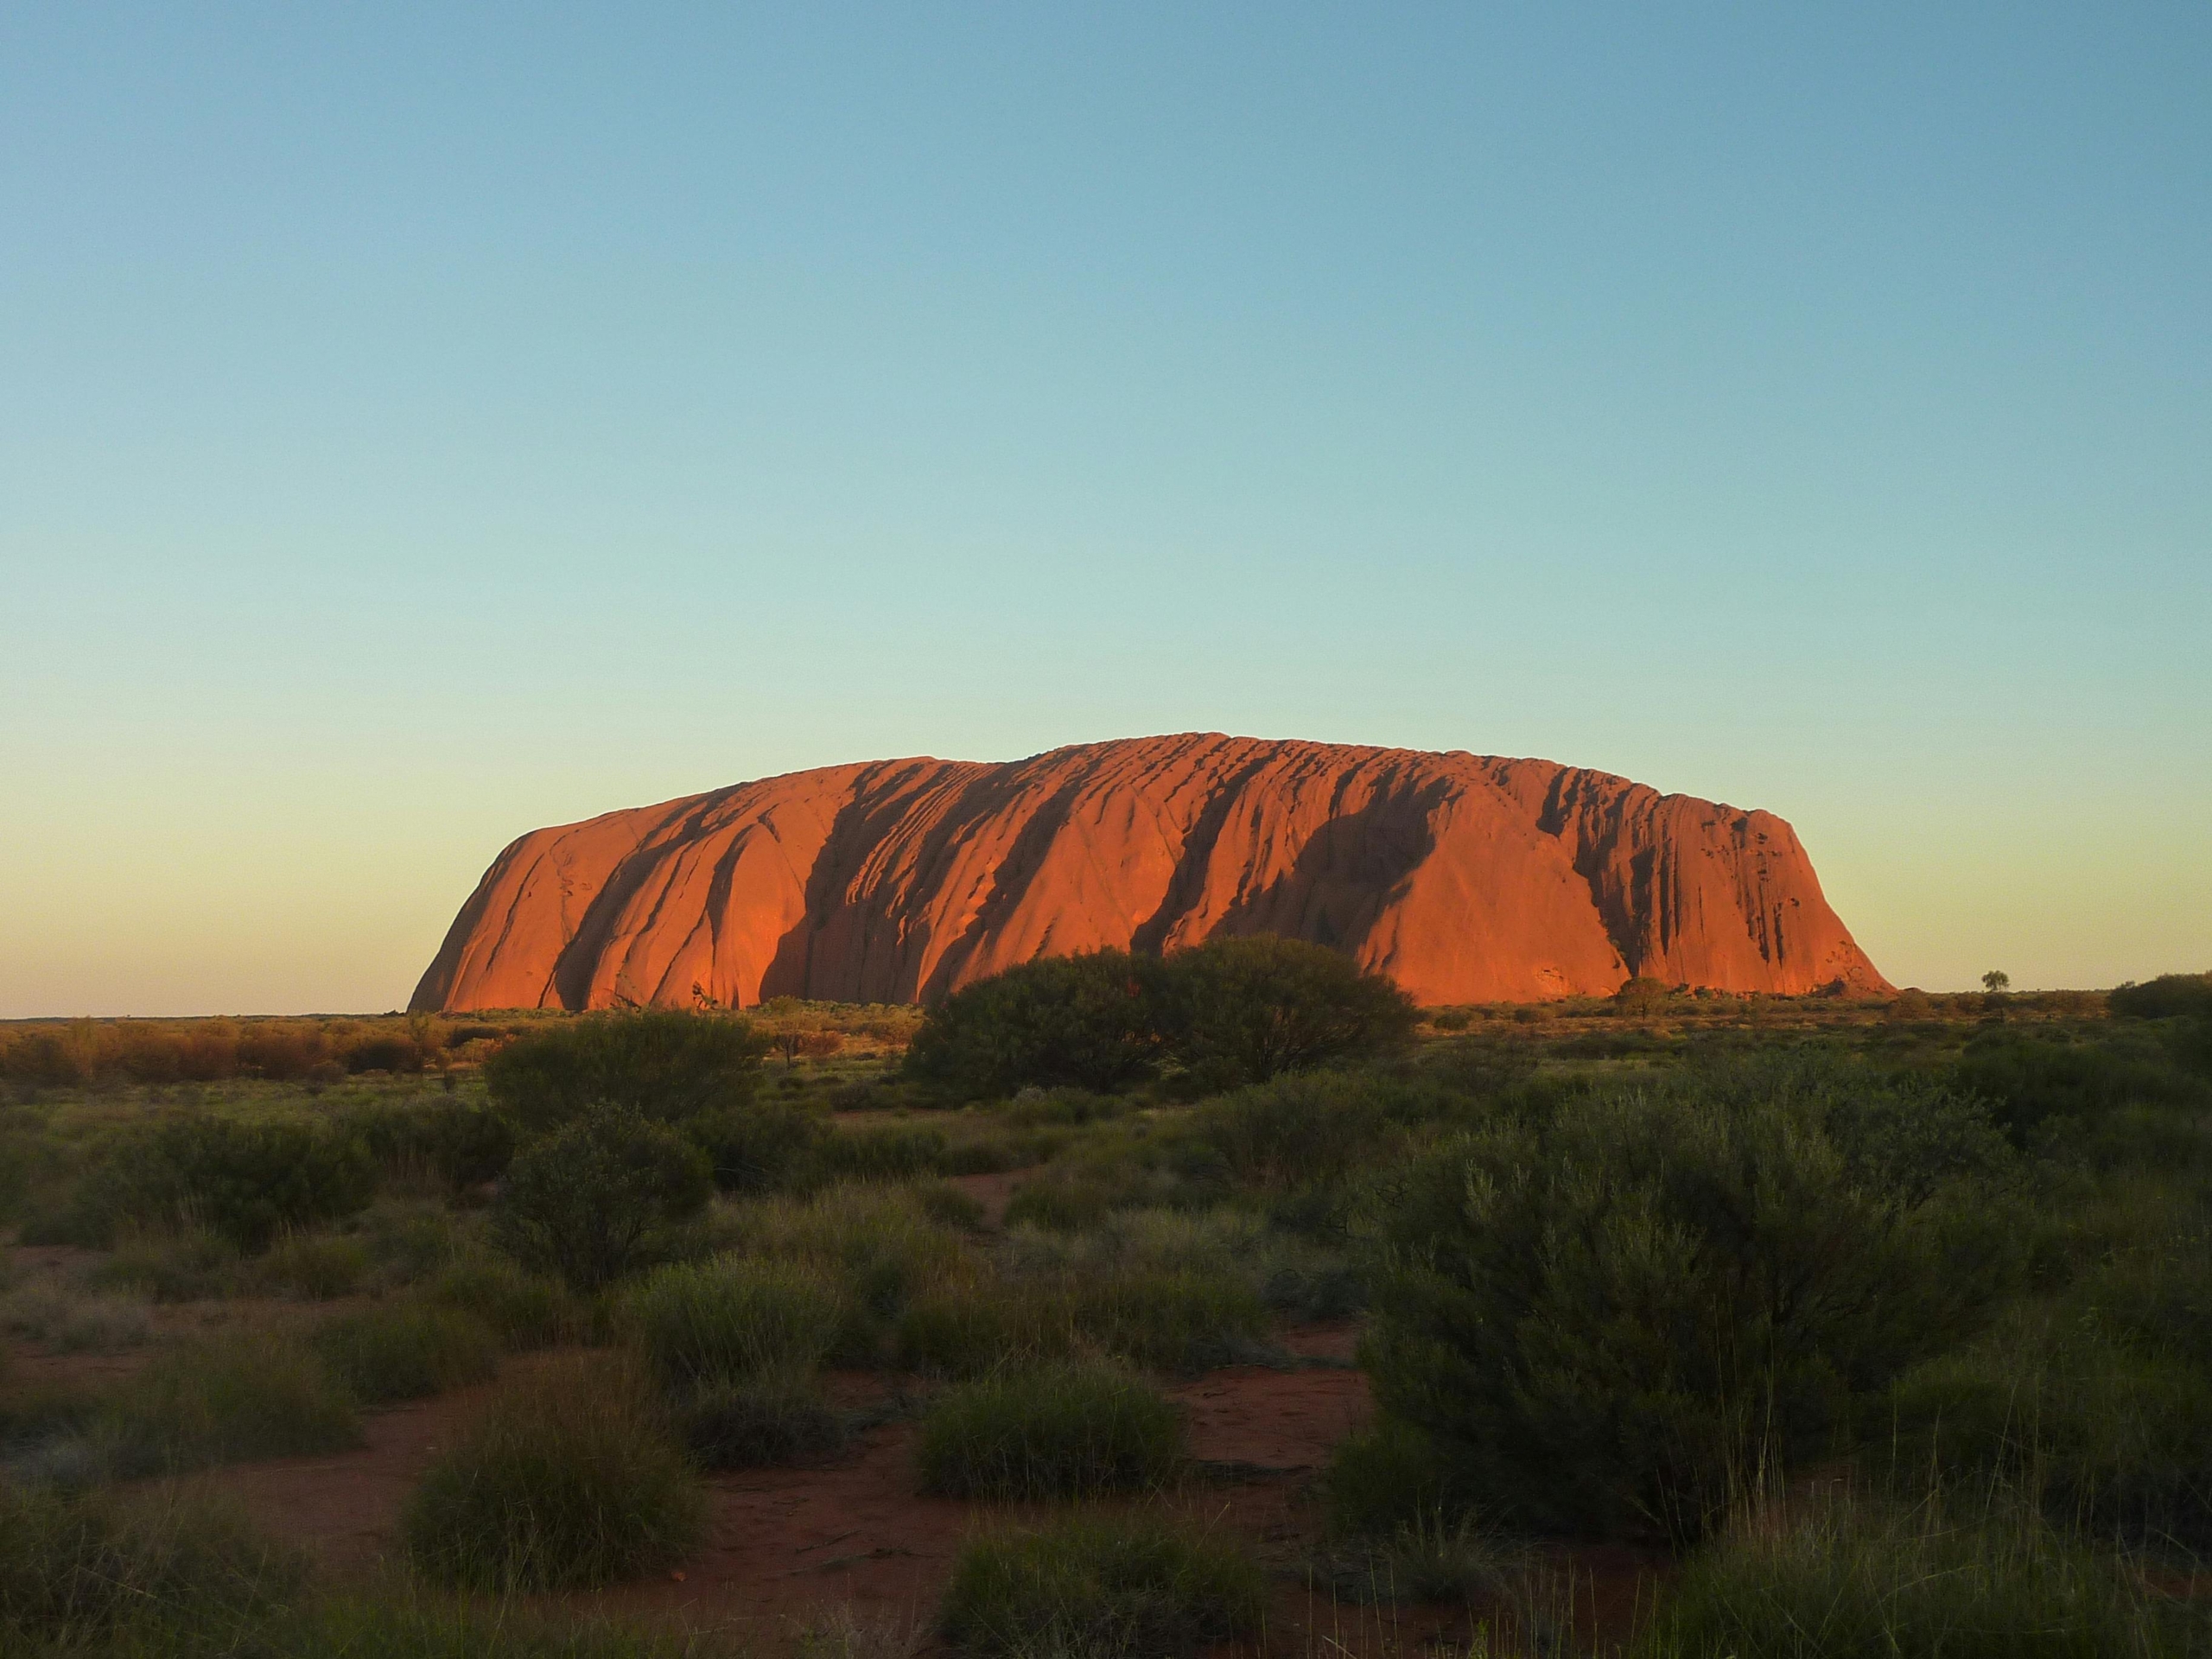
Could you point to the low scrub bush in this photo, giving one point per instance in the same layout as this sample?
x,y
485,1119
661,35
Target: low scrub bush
x,y
407,1349
1837,1581
1057,1431
1166,1321
453,1144
1099,1587
758,1419
1240,1011
882,1241
1173,1320
2113,1432
1431,1557
71,1323
319,1267
712,1322
246,1182
2049,1091
1086,1021
568,1479
1385,1478
1231,1011
189,1266
225,1401
523,1309
1609,1320
883,1153
661,1064
972,1330
162,1572
407,1239
601,1198
758,1148
2168,997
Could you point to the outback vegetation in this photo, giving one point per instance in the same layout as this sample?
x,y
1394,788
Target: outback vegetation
x,y
1117,1306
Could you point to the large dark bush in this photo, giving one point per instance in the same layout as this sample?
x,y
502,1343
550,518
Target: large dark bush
x,y
659,1063
2167,996
1084,1021
1233,1011
599,1198
2044,1087
1239,1011
1611,1319
458,1142
243,1180
754,1149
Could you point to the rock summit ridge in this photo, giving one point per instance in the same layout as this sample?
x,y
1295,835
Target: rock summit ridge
x,y
1468,877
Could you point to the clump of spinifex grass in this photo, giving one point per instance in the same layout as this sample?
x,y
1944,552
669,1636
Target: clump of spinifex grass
x,y
1100,1587
164,1571
1057,1431
257,1396
735,1344
702,1323
407,1349
526,1310
1838,1581
568,1479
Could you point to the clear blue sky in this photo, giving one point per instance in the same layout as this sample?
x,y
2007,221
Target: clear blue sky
x,y
422,424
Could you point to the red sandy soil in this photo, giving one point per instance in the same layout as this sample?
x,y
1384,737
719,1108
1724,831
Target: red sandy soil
x,y
788,1547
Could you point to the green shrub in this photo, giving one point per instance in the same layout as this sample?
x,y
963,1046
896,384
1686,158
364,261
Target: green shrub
x,y
948,1206
661,1064
407,1239
1298,1131
1429,1557
1837,1581
1386,1478
1607,1320
523,1309
71,1323
568,1480
2168,997
757,1149
880,1239
2040,1086
1099,1587
971,1330
244,1180
711,1322
2113,1431
188,1266
319,1267
224,1401
1059,1431
407,1349
458,1144
1167,1319
885,1154
1064,1201
1084,1021
180,1573
599,1198
1238,1011
758,1419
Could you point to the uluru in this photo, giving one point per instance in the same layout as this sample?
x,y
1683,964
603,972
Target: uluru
x,y
1466,878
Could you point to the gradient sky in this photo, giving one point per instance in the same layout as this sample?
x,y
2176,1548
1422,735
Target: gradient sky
x,y
420,423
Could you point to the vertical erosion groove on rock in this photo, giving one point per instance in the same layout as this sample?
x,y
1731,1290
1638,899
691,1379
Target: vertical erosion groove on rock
x,y
1466,878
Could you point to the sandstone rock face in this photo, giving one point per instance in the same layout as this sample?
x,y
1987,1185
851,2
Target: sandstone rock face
x,y
1466,878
